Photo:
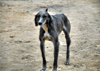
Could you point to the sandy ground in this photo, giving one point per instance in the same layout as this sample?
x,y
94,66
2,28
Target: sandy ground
x,y
19,41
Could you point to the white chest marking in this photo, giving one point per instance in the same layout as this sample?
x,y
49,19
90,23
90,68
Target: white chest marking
x,y
46,34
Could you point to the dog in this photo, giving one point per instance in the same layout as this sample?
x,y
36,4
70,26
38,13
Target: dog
x,y
50,27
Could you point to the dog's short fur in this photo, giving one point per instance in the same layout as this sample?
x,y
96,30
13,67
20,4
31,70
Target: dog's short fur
x,y
50,27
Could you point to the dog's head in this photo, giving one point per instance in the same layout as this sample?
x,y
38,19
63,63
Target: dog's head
x,y
42,18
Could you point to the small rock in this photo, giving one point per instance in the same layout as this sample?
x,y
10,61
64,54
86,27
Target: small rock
x,y
25,57
50,67
77,66
27,11
19,41
12,36
27,41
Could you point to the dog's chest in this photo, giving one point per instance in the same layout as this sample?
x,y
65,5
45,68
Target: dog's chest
x,y
46,34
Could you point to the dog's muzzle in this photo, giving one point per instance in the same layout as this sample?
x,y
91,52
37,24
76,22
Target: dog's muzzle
x,y
41,22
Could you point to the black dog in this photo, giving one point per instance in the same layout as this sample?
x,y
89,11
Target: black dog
x,y
50,27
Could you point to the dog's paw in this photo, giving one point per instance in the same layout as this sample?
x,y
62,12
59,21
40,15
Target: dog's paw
x,y
43,69
67,63
54,70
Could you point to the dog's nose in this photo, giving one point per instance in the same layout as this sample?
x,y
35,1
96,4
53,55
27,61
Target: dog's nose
x,y
40,23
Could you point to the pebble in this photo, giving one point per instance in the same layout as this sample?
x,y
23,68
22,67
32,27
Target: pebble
x,y
77,66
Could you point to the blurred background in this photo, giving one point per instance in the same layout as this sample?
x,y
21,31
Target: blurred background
x,y
19,37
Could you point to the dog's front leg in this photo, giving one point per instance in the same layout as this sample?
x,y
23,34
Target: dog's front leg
x,y
43,55
56,51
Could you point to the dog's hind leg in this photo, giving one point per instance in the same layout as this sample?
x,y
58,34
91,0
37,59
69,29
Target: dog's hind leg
x,y
68,42
43,55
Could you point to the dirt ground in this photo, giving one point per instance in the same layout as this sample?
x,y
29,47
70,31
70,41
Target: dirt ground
x,y
19,37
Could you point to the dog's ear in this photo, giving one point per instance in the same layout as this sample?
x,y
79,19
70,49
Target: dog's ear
x,y
46,10
36,23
